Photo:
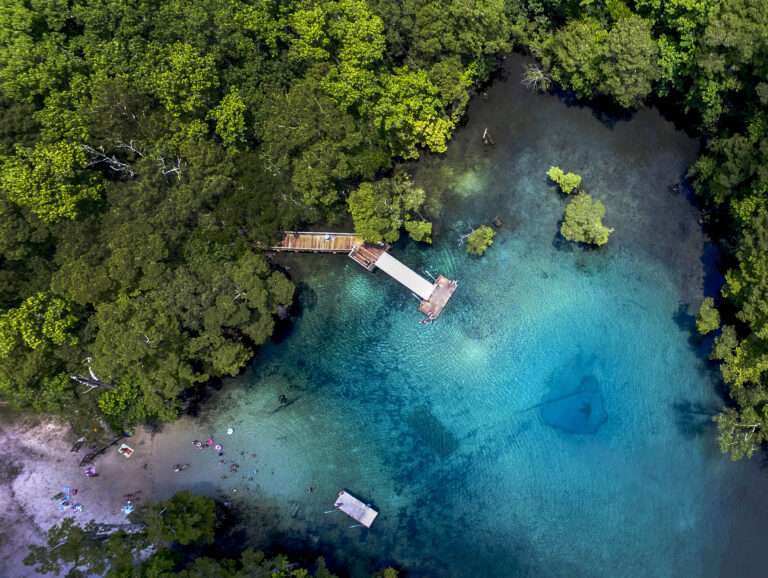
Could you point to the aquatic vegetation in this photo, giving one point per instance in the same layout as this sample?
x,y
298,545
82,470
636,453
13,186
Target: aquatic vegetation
x,y
470,182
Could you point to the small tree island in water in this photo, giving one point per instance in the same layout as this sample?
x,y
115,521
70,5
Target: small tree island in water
x,y
152,154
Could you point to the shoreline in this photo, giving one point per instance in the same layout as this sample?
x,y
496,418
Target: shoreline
x,y
35,464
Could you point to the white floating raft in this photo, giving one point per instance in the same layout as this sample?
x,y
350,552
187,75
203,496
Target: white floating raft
x,y
355,509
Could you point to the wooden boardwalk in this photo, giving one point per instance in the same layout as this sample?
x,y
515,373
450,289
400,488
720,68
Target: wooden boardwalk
x,y
367,255
443,290
433,297
318,242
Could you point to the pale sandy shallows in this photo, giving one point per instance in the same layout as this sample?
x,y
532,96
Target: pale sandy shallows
x,y
36,463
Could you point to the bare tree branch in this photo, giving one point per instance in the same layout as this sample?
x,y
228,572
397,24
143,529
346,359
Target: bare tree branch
x,y
98,156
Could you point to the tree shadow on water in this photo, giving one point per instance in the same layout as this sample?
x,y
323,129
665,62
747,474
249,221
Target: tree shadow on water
x,y
701,344
683,318
307,298
602,108
694,418
713,277
560,243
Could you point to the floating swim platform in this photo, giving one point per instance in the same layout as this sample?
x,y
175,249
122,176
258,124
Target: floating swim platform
x,y
355,509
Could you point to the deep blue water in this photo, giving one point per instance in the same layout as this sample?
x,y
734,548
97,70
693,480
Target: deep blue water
x,y
555,421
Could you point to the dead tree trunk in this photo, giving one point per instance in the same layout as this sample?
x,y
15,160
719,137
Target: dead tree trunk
x,y
96,453
112,162
91,380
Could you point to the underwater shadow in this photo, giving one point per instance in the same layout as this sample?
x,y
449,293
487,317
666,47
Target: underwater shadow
x,y
560,243
713,277
602,108
306,300
693,418
701,344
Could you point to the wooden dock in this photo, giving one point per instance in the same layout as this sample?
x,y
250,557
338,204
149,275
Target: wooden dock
x,y
355,509
432,296
318,242
367,255
443,290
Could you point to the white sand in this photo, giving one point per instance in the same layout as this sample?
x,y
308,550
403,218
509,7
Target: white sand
x,y
36,463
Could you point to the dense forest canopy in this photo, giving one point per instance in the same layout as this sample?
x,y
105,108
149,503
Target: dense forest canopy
x,y
149,149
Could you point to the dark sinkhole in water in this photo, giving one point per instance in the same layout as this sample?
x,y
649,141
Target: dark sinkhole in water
x,y
555,421
578,409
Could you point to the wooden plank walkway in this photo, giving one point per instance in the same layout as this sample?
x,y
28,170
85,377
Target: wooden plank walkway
x,y
405,276
367,255
433,297
318,242
443,291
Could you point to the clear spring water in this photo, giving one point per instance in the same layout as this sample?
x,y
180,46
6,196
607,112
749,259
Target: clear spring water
x,y
555,421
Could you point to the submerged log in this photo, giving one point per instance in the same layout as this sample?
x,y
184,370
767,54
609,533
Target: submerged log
x,y
96,453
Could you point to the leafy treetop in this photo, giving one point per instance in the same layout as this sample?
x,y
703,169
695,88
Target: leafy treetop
x,y
708,317
583,221
479,240
568,182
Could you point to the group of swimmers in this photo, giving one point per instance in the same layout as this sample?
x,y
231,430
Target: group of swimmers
x,y
209,443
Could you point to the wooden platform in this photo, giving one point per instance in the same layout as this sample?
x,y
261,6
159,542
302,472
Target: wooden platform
x,y
443,291
433,296
318,242
355,509
366,255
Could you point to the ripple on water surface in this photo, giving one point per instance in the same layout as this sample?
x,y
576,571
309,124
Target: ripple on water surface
x,y
554,421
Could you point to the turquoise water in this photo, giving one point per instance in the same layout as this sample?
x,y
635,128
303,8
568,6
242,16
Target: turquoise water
x,y
555,421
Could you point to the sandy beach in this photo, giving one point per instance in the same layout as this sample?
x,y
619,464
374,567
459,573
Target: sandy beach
x,y
36,463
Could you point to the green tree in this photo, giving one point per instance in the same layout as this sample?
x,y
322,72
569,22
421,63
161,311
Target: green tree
x,y
708,317
419,230
568,182
575,54
51,180
230,119
38,342
180,77
81,552
39,320
479,240
411,114
306,135
387,573
380,209
629,66
184,519
583,221
729,64
621,62
741,432
375,213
